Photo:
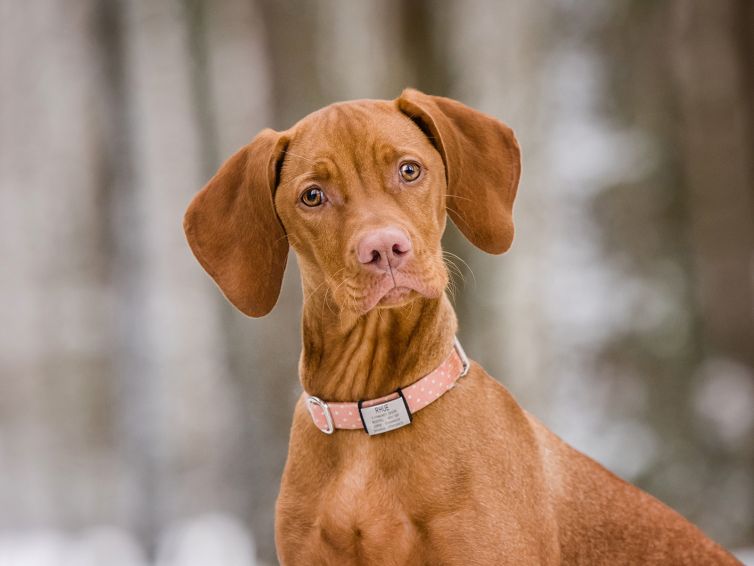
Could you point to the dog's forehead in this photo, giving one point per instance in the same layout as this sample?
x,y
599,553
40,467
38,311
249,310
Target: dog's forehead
x,y
358,130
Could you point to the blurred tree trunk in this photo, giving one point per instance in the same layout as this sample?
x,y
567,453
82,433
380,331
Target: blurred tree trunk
x,y
678,233
196,99
496,54
713,52
713,55
56,332
179,353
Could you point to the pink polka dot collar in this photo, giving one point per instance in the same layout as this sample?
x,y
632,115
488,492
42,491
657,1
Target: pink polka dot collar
x,y
394,410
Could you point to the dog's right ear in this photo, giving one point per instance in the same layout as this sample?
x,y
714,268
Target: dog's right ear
x,y
234,231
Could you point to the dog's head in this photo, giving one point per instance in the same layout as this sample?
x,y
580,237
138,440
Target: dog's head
x,y
360,191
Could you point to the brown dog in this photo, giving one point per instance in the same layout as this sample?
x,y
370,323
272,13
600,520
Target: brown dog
x,y
360,191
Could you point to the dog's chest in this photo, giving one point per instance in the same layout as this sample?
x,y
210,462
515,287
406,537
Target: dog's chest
x,y
364,514
367,503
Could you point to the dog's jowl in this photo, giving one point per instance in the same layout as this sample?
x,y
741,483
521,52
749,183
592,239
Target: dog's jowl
x,y
402,451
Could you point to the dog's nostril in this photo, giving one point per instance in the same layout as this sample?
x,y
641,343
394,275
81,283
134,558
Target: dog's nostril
x,y
383,248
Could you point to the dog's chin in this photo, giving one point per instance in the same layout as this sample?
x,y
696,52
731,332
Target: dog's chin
x,y
397,297
390,296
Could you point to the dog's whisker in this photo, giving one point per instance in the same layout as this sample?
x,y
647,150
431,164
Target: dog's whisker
x,y
327,302
453,268
311,293
411,308
455,216
454,271
463,261
309,296
451,288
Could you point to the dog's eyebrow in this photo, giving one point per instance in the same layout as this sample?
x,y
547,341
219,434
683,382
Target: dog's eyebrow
x,y
389,153
408,150
321,169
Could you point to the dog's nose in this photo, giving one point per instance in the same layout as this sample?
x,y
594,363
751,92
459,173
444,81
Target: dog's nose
x,y
383,249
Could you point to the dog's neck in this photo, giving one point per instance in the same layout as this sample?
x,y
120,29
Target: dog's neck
x,y
347,357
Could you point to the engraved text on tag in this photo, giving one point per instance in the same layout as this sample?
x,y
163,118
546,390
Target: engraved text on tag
x,y
385,416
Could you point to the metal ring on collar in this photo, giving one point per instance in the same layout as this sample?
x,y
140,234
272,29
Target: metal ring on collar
x,y
463,356
310,403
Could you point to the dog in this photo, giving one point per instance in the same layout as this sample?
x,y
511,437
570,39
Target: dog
x,y
402,451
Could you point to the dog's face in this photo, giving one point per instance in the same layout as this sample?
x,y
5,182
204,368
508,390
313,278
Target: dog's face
x,y
361,196
360,191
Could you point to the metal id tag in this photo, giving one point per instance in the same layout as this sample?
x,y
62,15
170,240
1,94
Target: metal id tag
x,y
386,416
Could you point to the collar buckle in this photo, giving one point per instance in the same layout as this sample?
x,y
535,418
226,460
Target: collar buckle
x,y
312,402
462,355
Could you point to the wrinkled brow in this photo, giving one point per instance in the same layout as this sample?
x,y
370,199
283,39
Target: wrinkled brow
x,y
322,168
318,169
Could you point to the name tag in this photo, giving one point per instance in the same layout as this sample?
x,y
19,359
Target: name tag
x,y
385,416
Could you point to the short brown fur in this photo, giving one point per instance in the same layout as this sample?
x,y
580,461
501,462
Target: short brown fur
x,y
474,479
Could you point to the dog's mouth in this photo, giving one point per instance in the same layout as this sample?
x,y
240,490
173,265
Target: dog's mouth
x,y
397,289
396,296
363,290
393,294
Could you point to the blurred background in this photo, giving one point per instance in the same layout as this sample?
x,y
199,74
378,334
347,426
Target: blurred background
x,y
144,421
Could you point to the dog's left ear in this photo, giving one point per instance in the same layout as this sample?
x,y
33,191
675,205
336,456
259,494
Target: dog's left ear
x,y
482,166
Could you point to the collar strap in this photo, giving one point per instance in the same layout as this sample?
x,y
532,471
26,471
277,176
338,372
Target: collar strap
x,y
394,410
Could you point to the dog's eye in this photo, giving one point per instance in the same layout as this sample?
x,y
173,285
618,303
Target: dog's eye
x,y
410,170
313,196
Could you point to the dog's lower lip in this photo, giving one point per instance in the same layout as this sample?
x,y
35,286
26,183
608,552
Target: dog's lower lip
x,y
396,291
395,294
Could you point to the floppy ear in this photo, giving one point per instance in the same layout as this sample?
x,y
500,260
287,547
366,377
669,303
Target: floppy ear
x,y
234,231
482,166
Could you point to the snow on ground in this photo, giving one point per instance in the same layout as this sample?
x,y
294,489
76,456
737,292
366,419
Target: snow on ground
x,y
202,541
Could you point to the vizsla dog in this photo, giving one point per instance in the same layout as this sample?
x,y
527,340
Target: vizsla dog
x,y
401,451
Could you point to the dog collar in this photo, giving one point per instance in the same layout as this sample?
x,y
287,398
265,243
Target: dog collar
x,y
394,410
